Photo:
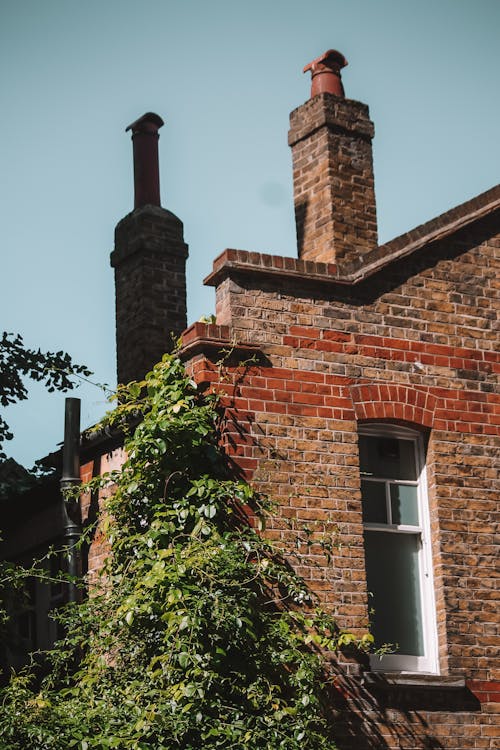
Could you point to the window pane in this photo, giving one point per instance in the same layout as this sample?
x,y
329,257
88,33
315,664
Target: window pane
x,y
393,580
27,627
404,504
390,458
374,504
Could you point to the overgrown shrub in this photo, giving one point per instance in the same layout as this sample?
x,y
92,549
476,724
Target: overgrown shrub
x,y
198,634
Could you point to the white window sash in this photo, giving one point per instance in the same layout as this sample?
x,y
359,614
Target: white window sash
x,y
427,663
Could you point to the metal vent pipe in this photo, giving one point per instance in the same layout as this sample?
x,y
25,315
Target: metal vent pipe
x,y
71,478
146,166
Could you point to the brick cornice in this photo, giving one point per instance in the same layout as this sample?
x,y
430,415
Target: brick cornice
x,y
209,338
260,264
148,229
345,116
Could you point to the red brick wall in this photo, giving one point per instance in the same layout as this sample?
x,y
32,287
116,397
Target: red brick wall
x,y
414,344
92,510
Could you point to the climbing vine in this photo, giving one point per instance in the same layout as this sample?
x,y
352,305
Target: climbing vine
x,y
197,634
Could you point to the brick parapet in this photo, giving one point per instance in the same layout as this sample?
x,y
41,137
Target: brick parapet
x,y
486,205
262,265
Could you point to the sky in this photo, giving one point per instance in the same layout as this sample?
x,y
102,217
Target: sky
x,y
224,76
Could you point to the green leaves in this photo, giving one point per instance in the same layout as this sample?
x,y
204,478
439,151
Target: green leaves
x,y
55,370
200,634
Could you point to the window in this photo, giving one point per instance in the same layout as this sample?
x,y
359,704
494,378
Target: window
x,y
397,547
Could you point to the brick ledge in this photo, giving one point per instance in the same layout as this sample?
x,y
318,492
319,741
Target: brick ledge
x,y
213,338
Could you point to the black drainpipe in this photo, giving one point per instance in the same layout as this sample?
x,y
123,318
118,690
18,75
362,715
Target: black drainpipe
x,y
71,478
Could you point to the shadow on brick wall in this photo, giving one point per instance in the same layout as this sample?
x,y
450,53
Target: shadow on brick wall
x,y
384,716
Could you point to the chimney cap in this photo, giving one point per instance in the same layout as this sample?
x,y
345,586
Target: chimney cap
x,y
149,122
332,58
325,73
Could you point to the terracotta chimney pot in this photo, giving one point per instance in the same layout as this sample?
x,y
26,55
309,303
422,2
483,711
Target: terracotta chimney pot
x,y
146,168
325,73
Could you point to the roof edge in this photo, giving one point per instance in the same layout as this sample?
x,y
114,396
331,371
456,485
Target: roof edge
x,y
245,261
441,226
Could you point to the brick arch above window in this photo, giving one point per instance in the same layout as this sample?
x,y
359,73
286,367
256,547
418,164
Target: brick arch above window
x,y
393,402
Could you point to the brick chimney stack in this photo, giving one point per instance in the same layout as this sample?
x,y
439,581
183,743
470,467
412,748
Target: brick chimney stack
x,y
334,194
149,259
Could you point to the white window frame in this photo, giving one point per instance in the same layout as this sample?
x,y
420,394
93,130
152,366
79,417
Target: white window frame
x,y
428,663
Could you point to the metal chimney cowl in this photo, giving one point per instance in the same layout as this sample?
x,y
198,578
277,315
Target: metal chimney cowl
x,y
145,138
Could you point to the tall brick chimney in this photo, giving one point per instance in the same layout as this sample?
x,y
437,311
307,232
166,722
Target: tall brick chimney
x,y
149,259
334,194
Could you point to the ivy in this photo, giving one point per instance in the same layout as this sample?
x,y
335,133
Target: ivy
x,y
198,634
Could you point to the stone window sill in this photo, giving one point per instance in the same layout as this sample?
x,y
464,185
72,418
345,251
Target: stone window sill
x,y
389,681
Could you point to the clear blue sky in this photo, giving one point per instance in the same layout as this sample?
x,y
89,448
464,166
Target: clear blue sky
x,y
224,75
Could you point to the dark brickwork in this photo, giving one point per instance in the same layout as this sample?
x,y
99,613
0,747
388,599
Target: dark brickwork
x,y
150,284
333,179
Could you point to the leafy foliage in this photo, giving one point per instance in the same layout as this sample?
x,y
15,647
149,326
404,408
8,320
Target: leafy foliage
x,y
54,369
197,635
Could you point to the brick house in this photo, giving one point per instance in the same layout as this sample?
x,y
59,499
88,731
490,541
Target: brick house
x,y
363,397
